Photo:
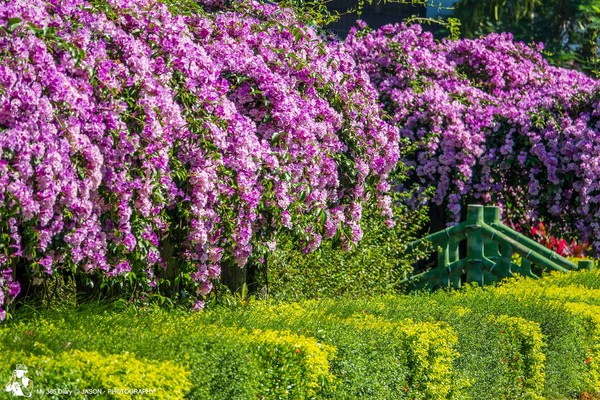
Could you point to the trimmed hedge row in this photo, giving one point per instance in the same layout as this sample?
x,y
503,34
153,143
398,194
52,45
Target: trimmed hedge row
x,y
522,340
591,317
497,355
235,362
567,327
579,294
376,358
79,374
182,355
586,278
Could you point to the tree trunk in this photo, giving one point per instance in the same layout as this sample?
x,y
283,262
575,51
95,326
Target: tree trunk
x,y
252,276
234,277
166,253
437,217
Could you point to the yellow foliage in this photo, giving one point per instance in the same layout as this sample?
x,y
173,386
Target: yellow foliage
x,y
530,351
115,376
521,286
591,314
312,356
429,348
287,359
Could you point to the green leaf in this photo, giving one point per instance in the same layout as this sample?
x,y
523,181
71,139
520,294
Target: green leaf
x,y
13,22
297,34
303,195
322,216
286,176
275,137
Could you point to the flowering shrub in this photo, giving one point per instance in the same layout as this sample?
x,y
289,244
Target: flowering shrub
x,y
543,235
136,134
492,123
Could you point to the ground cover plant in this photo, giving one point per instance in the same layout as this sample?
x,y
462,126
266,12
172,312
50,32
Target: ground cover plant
x,y
475,343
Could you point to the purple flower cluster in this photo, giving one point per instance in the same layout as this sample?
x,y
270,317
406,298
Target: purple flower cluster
x,y
492,122
129,126
122,121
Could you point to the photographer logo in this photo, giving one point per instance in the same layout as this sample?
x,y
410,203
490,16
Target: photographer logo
x,y
19,384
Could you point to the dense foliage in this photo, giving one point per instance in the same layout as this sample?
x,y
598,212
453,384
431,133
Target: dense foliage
x,y
137,138
494,123
147,145
524,340
374,266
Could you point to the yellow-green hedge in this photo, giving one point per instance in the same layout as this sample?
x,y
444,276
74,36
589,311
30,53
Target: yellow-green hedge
x,y
591,316
287,365
275,364
295,366
548,288
544,339
516,340
70,374
418,360
581,301
588,278
568,334
525,358
427,348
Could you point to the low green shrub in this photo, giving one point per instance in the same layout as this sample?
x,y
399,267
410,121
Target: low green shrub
x,y
285,365
587,278
375,359
427,348
216,368
525,359
220,362
79,374
374,266
484,341
591,316
524,339
550,289
581,301
566,336
292,366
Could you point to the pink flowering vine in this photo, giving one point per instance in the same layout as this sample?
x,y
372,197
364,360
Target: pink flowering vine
x,y
131,125
490,121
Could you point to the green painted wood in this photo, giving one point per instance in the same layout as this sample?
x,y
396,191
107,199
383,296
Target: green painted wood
x,y
490,247
524,240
